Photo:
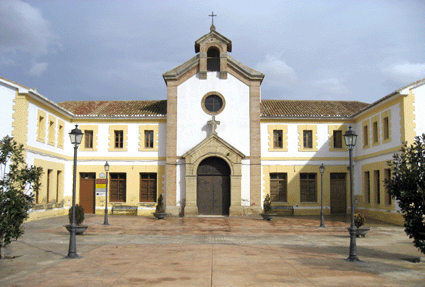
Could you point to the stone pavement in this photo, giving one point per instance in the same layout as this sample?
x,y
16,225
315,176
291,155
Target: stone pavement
x,y
211,251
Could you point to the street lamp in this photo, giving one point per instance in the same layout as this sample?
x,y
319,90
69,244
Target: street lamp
x,y
76,136
350,138
105,222
322,216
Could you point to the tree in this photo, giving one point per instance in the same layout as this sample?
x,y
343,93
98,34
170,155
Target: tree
x,y
17,181
407,185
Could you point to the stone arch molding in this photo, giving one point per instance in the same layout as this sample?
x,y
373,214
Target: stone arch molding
x,y
213,146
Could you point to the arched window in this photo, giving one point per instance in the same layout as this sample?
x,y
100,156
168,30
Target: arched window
x,y
213,59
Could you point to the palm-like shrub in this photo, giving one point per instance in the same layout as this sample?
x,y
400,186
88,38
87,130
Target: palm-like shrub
x,y
79,214
267,205
160,205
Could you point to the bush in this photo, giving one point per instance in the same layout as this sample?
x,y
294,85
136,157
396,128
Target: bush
x,y
359,220
267,205
79,214
160,206
17,181
407,186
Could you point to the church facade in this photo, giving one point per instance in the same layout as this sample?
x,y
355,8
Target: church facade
x,y
213,146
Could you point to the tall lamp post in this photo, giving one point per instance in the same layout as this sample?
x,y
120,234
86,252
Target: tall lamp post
x,y
76,136
322,216
105,222
350,138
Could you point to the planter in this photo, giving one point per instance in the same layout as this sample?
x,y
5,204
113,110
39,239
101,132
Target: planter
x,y
361,231
267,216
159,215
79,229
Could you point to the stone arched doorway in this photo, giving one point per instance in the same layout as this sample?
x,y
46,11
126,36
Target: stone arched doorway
x,y
231,158
213,187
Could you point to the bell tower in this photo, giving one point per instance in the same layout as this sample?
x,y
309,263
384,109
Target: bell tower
x,y
212,49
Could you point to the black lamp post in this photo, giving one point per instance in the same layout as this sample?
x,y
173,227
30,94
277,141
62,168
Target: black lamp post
x,y
322,216
105,222
76,136
350,138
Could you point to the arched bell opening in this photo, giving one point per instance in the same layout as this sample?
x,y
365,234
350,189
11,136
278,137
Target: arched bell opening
x,y
213,60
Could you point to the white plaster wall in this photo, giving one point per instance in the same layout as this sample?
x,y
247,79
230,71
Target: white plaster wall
x,y
246,183
419,110
192,125
132,143
32,132
395,132
293,142
181,183
7,95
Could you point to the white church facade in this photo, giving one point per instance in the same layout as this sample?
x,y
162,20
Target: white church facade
x,y
213,146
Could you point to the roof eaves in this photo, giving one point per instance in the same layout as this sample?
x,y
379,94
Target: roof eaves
x,y
177,72
21,88
247,71
306,117
34,94
375,103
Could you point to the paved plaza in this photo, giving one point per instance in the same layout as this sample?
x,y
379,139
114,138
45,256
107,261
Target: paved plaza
x,y
211,251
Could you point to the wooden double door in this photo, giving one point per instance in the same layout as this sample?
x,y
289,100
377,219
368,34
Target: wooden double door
x,y
213,187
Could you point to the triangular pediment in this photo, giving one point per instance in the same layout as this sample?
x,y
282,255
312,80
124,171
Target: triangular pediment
x,y
214,145
215,35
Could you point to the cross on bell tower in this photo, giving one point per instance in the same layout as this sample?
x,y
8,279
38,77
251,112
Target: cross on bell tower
x,y
213,123
212,17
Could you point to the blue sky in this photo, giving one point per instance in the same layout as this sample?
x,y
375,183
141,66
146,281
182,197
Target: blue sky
x,y
118,50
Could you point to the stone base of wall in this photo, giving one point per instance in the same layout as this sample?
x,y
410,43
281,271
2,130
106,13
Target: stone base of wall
x,y
383,215
46,213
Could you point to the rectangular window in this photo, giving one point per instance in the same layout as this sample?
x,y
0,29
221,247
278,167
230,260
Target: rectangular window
x,y
52,132
367,186
88,139
49,177
148,187
307,139
278,187
387,176
148,139
277,139
58,184
375,132
365,136
386,124
308,187
60,134
337,139
117,188
119,136
377,185
41,128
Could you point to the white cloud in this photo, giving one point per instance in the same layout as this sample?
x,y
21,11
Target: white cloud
x,y
331,85
278,73
24,30
405,72
37,68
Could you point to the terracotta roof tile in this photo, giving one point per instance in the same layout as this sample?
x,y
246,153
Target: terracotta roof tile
x,y
269,108
295,108
116,108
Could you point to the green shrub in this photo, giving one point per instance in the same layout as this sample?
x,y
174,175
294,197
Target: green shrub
x,y
79,214
359,220
160,205
267,205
